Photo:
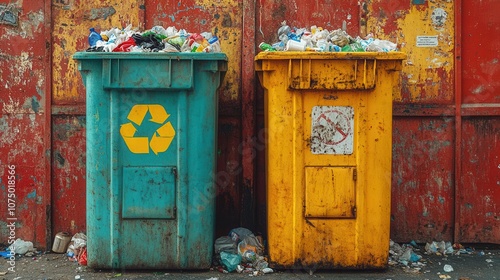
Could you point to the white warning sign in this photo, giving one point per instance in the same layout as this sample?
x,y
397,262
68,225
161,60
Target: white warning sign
x,y
332,130
427,41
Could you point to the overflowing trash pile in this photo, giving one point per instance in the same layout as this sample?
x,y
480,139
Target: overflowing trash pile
x,y
317,39
409,256
241,251
157,39
77,249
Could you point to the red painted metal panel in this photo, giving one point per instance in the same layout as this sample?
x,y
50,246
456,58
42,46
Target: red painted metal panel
x,y
480,51
235,164
479,199
249,151
228,176
301,13
478,129
68,174
458,112
21,142
23,58
71,21
423,178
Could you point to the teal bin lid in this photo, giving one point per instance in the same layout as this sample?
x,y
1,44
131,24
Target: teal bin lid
x,y
154,71
149,55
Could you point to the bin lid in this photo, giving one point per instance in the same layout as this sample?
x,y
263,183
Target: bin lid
x,y
331,55
149,55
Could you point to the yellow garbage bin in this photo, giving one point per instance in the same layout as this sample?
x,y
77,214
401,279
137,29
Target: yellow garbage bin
x,y
329,122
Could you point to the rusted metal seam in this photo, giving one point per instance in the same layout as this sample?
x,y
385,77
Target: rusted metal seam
x,y
458,118
248,113
47,185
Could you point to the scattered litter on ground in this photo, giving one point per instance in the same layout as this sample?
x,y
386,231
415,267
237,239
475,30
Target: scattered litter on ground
x,y
409,257
77,249
241,251
21,247
448,268
5,254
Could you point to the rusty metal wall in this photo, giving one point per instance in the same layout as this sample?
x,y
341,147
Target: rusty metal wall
x,y
446,118
423,193
223,18
71,20
478,89
24,57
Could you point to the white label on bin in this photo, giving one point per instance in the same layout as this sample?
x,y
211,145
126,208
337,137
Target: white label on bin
x,y
332,130
427,41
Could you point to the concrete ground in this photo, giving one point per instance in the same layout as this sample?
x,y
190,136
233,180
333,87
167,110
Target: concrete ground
x,y
480,264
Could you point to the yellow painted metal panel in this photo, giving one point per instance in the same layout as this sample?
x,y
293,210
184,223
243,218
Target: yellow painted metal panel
x,y
356,134
330,192
71,22
426,33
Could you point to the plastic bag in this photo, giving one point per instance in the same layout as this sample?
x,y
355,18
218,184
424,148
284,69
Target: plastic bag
x,y
21,247
339,38
82,258
238,234
78,241
250,243
381,46
225,244
230,261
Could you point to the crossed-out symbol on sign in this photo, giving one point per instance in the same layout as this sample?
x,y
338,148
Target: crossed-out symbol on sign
x,y
162,137
337,123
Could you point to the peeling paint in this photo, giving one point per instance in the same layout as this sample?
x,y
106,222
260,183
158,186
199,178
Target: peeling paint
x,y
438,17
430,68
441,199
71,25
31,195
35,106
101,13
8,14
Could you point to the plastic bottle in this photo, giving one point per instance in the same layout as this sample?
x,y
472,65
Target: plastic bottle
x,y
283,32
94,37
214,44
266,47
260,264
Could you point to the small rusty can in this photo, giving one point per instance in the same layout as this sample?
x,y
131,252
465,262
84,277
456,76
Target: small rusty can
x,y
61,242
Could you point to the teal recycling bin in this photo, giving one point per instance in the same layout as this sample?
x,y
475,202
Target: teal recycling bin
x,y
151,158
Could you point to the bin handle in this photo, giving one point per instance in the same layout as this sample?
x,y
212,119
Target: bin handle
x,y
302,74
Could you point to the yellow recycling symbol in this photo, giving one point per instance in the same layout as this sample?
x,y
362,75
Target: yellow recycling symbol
x,y
162,137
